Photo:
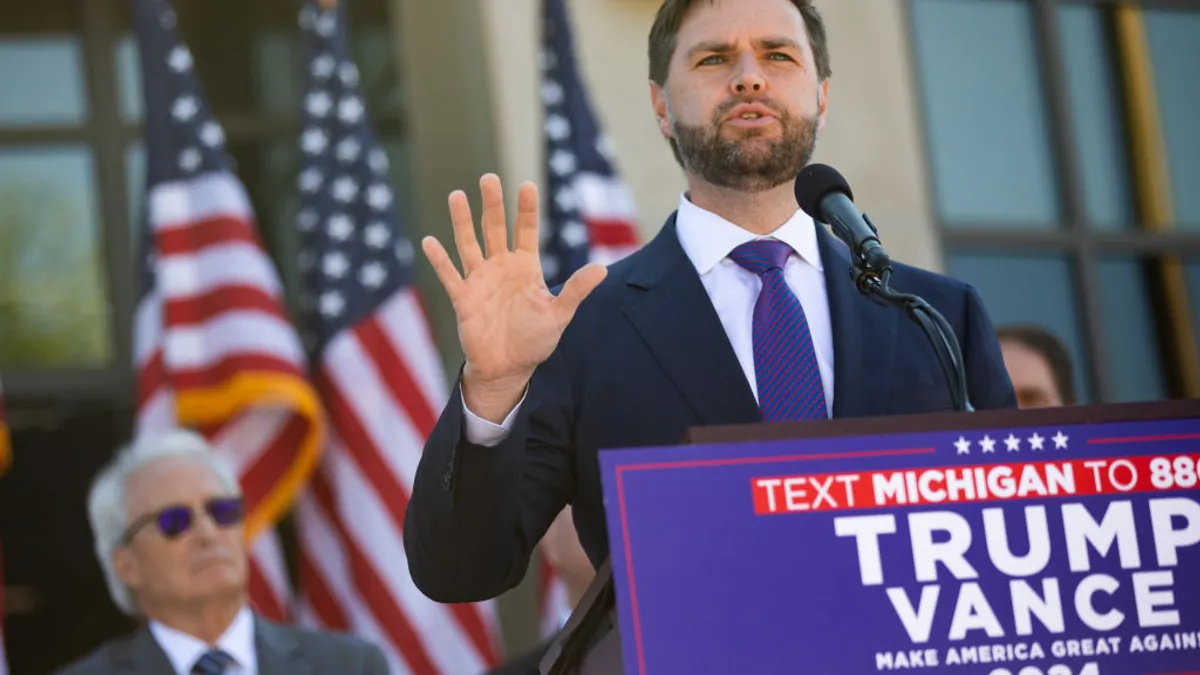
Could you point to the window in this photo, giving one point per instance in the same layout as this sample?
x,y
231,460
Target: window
x,y
1044,144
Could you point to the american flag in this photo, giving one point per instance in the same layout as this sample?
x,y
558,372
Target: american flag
x,y
378,373
213,348
591,215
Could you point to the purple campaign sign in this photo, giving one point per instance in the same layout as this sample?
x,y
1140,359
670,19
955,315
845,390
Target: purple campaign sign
x,y
1070,550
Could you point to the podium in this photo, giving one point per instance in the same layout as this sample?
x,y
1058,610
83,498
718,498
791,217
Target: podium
x,y
1058,541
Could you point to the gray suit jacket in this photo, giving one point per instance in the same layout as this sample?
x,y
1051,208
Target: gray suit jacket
x,y
281,650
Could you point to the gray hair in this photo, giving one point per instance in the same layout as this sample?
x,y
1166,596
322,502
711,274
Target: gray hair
x,y
107,498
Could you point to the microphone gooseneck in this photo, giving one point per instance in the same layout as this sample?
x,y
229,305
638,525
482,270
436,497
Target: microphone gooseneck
x,y
826,197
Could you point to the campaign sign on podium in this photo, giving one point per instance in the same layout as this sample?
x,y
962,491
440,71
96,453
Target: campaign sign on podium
x,y
1060,549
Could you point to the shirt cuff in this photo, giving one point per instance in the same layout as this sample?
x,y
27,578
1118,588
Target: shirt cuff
x,y
488,434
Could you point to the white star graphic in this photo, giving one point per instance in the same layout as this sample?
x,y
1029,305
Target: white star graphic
x,y
547,59
372,275
1060,441
557,127
348,73
318,103
378,161
211,134
350,109
604,146
988,444
306,219
377,235
575,234
552,92
335,264
313,141
565,199
1035,441
189,159
344,189
562,162
348,149
310,180
332,303
184,108
325,23
404,252
1013,443
323,66
963,446
340,226
379,196
180,59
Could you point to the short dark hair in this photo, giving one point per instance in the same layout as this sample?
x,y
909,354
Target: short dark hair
x,y
670,18
1050,348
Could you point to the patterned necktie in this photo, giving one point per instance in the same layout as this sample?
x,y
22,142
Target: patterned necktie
x,y
212,662
785,362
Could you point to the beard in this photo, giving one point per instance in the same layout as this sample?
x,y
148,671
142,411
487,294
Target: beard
x,y
745,160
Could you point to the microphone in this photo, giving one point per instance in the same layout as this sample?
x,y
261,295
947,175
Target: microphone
x,y
826,197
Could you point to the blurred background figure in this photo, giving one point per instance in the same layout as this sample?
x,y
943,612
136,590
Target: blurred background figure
x,y
166,516
1039,366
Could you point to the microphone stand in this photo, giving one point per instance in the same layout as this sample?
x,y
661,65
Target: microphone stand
x,y
873,281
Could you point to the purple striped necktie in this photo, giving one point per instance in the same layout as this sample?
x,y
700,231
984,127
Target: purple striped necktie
x,y
785,362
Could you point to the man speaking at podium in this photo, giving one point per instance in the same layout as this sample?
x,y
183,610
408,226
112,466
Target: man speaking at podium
x,y
740,310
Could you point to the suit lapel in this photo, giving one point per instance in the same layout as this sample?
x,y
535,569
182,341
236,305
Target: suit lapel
x,y
277,651
140,654
864,334
674,316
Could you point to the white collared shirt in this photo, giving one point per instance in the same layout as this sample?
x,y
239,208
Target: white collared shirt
x,y
184,650
707,240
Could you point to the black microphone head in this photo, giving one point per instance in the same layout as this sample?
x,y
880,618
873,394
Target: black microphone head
x,y
814,182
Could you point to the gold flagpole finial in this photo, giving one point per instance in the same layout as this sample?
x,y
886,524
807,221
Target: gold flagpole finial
x,y
327,4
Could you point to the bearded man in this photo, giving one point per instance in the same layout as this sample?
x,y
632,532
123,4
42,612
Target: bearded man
x,y
740,310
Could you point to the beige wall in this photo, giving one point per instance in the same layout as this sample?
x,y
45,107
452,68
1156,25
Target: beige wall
x,y
872,135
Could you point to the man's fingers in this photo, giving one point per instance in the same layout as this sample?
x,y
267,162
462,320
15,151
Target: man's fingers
x,y
578,287
464,232
525,230
451,280
495,232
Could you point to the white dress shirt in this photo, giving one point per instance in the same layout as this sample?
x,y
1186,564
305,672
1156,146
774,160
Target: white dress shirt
x,y
184,650
707,240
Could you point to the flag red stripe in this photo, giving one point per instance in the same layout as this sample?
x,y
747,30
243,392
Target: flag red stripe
x,y
362,451
202,234
610,232
374,591
396,376
318,595
201,308
260,477
262,595
229,367
150,378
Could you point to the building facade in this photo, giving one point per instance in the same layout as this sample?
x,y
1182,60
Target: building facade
x,y
1046,151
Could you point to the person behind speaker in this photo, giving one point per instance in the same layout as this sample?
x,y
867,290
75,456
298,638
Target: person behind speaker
x,y
166,514
740,310
1039,366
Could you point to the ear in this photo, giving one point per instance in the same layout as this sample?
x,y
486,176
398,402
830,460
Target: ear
x,y
822,104
125,565
658,101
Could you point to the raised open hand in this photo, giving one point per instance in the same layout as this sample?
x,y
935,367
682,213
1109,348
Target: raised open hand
x,y
508,321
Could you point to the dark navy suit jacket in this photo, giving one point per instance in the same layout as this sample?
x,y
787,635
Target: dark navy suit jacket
x,y
645,359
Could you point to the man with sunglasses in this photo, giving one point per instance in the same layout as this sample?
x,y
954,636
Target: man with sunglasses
x,y
166,515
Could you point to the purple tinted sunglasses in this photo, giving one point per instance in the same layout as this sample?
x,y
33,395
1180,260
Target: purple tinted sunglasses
x,y
174,520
